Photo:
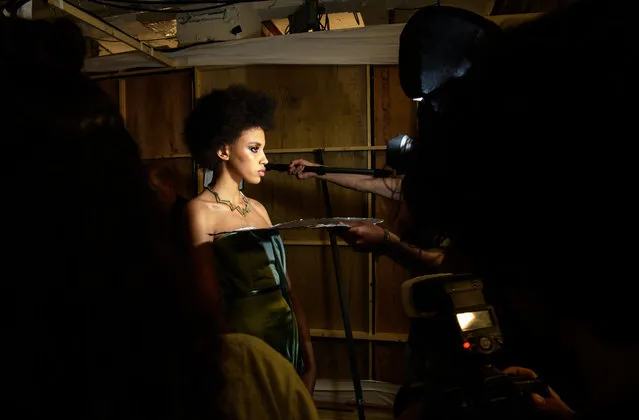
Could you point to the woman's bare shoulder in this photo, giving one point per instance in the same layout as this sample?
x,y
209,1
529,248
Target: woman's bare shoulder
x,y
202,209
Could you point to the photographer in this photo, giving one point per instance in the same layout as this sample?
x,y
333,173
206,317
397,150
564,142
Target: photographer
x,y
367,237
542,215
426,355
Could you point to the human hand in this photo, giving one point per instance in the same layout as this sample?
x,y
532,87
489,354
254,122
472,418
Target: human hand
x,y
362,236
551,407
296,167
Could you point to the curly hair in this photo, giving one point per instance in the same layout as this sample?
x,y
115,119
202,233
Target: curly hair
x,y
220,117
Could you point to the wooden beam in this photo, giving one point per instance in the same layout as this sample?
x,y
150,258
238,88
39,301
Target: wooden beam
x,y
174,156
360,335
506,21
197,76
271,27
129,73
313,243
109,29
369,212
347,411
122,98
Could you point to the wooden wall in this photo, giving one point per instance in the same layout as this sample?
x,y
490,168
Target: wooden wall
x,y
354,107
393,114
154,108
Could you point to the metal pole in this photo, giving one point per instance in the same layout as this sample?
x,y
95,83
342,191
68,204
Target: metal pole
x,y
357,384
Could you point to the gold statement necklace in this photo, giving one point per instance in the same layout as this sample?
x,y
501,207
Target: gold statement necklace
x,y
242,211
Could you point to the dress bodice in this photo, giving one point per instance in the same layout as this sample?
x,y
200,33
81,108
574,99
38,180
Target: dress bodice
x,y
251,267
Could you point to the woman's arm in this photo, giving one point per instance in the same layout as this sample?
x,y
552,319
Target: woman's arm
x,y
207,287
310,368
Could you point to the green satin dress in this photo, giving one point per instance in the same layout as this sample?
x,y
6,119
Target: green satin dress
x,y
257,299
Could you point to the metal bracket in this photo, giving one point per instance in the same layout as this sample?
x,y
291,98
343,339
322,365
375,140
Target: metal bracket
x,y
113,31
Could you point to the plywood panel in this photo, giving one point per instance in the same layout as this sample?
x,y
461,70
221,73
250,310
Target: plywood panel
x,y
318,106
333,360
350,413
394,112
390,362
287,198
178,172
156,107
389,311
311,270
112,88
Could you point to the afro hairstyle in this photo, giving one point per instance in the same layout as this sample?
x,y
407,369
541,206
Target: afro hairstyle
x,y
220,117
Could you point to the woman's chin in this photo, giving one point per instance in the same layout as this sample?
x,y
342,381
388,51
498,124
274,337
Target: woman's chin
x,y
254,180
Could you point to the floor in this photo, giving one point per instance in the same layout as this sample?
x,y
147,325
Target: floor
x,y
350,413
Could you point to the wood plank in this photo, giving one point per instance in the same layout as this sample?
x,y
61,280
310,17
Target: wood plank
x,y
394,114
122,98
333,360
156,107
360,335
350,413
312,276
390,362
370,212
318,106
313,243
111,88
389,310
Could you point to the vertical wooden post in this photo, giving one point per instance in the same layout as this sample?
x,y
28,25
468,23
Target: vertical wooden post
x,y
122,97
198,173
370,211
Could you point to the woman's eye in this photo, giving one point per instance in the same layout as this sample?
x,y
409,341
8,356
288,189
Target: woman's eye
x,y
254,149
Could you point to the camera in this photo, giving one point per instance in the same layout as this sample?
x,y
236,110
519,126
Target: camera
x,y
463,341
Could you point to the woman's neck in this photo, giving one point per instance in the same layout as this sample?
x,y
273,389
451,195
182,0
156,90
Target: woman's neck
x,y
227,186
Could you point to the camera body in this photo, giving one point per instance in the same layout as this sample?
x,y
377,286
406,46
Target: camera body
x,y
463,349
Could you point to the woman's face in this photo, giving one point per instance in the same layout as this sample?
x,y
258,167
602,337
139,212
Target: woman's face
x,y
246,156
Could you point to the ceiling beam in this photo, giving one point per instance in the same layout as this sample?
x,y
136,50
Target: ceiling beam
x,y
272,27
109,29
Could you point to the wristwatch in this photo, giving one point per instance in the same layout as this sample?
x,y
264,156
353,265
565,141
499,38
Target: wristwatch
x,y
387,240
